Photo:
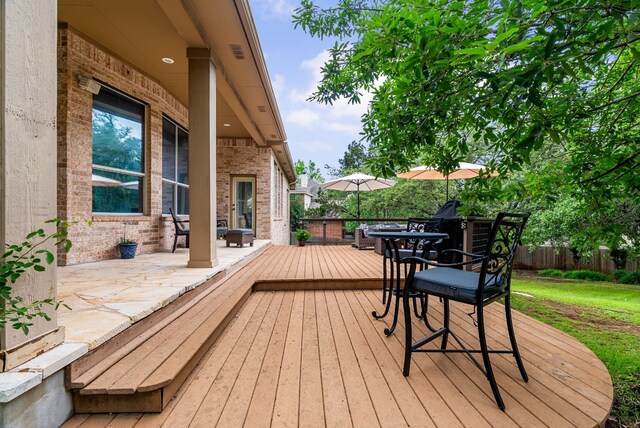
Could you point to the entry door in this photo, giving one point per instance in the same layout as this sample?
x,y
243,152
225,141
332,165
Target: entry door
x,y
243,203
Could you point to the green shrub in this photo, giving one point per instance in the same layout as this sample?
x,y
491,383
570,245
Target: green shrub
x,y
587,275
617,275
631,278
555,273
302,235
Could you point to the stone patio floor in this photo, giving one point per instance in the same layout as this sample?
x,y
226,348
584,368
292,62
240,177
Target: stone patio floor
x,y
108,296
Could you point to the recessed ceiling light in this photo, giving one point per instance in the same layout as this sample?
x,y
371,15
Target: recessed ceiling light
x,y
226,124
168,60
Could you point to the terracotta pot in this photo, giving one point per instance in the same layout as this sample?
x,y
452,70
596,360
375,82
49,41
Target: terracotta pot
x,y
301,243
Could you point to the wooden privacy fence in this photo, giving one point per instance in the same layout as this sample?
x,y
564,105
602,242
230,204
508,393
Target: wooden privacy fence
x,y
561,258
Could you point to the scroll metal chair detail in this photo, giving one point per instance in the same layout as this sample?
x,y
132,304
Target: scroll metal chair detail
x,y
478,289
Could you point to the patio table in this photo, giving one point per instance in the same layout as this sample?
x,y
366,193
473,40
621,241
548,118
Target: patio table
x,y
391,240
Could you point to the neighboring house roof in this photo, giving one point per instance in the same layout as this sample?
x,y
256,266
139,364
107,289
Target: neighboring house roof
x,y
311,189
143,33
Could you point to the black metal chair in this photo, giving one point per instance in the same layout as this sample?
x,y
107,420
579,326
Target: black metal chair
x,y
396,257
180,230
411,247
478,289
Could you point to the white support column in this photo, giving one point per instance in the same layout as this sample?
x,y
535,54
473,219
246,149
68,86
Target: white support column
x,y
202,159
28,97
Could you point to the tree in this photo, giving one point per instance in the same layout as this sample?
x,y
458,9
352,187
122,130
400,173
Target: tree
x,y
353,160
513,77
310,169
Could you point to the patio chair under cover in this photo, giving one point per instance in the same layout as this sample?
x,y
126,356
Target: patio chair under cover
x,y
180,230
478,289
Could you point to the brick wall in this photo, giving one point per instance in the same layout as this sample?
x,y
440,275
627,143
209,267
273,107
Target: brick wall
x,y
334,229
78,56
279,204
243,158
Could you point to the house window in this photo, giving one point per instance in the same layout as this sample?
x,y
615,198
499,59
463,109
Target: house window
x,y
175,168
278,190
118,173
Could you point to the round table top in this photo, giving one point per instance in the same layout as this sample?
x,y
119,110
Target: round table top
x,y
432,236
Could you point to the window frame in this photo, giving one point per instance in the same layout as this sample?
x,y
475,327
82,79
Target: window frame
x,y
175,181
143,140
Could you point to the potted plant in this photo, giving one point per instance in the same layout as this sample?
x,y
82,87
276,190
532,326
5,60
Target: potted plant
x,y
128,247
302,236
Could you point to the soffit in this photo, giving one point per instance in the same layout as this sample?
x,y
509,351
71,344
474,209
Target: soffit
x,y
142,32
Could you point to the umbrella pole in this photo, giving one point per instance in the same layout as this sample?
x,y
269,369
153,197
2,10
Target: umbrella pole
x,y
358,194
447,193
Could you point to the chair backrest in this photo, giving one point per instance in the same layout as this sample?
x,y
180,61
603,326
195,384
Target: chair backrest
x,y
422,225
221,222
500,251
179,225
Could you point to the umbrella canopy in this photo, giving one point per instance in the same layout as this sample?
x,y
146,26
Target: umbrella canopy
x,y
358,183
465,170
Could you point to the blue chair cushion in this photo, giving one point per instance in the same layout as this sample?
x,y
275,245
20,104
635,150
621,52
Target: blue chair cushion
x,y
455,284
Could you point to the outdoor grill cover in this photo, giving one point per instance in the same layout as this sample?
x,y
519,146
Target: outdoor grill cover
x,y
451,225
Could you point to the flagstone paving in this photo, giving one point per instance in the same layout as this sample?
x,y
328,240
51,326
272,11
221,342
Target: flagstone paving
x,y
108,296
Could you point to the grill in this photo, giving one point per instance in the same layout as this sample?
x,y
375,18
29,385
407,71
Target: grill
x,y
451,225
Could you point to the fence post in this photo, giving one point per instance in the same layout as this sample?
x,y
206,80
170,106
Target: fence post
x,y
324,232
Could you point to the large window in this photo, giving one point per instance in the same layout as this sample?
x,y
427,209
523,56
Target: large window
x,y
118,174
175,168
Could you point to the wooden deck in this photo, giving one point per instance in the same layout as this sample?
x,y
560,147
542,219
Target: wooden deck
x,y
317,358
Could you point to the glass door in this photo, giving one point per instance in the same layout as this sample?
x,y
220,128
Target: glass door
x,y
243,203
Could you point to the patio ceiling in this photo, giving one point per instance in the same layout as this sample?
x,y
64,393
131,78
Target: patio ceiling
x,y
142,32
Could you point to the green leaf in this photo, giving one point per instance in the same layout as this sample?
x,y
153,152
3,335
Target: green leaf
x,y
520,46
471,51
504,36
39,268
635,53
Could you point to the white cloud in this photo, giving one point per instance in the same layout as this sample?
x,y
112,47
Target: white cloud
x,y
352,128
318,146
303,117
275,9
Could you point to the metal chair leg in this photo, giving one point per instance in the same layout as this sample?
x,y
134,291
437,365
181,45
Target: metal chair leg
x,y
389,296
175,243
512,338
487,362
445,325
384,279
407,335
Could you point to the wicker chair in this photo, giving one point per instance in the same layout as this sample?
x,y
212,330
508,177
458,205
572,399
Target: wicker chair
x,y
362,241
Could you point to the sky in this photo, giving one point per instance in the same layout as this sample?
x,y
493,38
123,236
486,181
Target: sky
x,y
316,132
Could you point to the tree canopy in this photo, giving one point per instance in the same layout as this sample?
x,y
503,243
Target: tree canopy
x,y
310,169
546,92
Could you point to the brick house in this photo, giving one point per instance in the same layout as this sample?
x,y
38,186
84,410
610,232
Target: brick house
x,y
117,111
253,165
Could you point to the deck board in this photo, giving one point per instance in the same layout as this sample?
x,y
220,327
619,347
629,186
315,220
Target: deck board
x,y
318,358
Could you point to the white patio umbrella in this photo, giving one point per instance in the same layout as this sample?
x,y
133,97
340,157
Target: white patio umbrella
x,y
358,183
465,170
100,181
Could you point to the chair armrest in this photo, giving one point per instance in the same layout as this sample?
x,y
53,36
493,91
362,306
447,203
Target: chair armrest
x,y
453,250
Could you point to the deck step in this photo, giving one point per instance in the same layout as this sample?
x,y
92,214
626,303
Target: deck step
x,y
141,369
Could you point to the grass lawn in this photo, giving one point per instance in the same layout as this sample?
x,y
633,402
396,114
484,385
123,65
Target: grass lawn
x,y
603,316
